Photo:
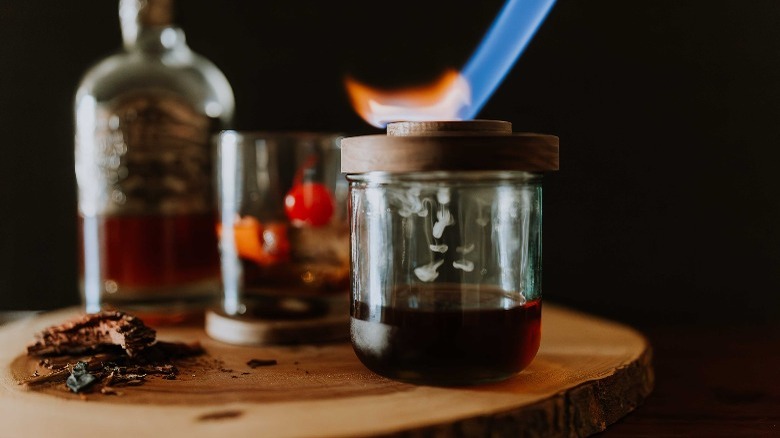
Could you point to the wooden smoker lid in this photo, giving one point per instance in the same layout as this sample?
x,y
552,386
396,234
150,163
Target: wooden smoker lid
x,y
449,146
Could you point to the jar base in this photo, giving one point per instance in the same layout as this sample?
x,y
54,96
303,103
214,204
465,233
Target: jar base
x,y
451,376
442,345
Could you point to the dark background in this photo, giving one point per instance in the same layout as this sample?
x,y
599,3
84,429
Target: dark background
x,y
666,207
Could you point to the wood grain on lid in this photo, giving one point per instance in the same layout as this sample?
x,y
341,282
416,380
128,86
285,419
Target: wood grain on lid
x,y
449,146
449,127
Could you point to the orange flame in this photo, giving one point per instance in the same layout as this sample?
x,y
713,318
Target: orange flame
x,y
441,100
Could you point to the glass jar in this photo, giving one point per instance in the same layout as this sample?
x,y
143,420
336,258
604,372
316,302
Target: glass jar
x,y
446,235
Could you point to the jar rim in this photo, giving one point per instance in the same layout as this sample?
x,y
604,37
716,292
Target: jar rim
x,y
471,176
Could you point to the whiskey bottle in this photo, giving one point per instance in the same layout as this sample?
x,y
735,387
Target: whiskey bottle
x,y
144,119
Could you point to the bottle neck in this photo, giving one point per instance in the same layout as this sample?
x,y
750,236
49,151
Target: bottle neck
x,y
147,25
156,40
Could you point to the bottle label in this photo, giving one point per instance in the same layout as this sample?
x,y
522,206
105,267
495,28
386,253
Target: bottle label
x,y
152,151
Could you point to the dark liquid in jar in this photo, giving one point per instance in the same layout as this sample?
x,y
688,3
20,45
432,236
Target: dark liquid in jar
x,y
447,336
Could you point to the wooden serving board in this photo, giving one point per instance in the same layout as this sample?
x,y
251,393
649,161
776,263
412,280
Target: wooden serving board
x,y
589,372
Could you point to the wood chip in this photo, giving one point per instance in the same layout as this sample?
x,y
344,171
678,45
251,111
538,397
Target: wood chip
x,y
254,363
93,332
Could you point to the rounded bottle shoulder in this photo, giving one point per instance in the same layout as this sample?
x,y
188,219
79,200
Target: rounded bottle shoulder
x,y
184,73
